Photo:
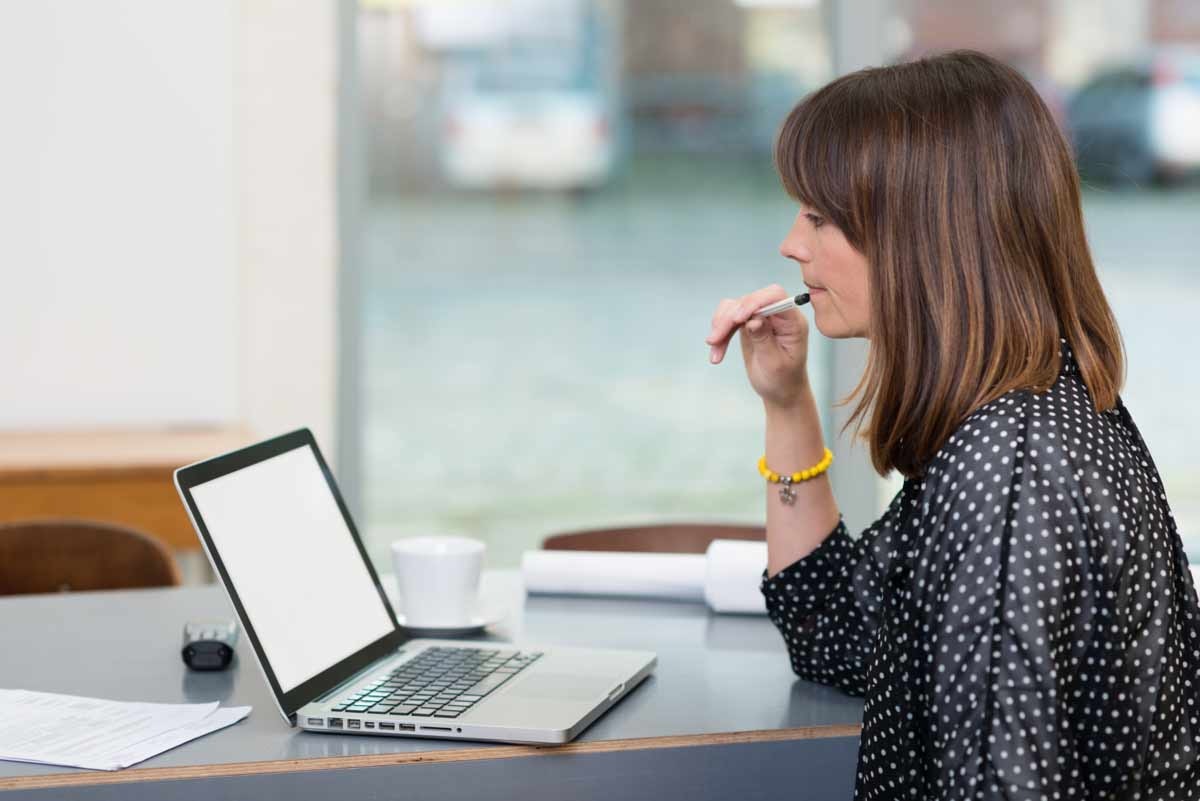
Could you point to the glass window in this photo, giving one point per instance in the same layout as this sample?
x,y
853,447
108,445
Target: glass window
x,y
562,191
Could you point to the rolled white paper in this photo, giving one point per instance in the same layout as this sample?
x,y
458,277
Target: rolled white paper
x,y
734,572
655,575
726,577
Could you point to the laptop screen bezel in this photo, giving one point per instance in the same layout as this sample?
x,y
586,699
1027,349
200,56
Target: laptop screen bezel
x,y
186,478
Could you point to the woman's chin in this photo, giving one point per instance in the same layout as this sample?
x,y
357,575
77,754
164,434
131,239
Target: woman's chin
x,y
831,331
836,329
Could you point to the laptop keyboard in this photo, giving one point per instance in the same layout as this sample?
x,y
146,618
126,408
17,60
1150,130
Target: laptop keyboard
x,y
439,683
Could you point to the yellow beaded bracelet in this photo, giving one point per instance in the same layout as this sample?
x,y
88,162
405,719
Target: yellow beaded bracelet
x,y
785,492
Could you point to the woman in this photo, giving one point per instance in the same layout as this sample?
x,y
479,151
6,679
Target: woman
x,y
1021,620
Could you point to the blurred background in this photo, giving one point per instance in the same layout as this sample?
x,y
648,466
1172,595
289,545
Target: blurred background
x,y
562,190
476,245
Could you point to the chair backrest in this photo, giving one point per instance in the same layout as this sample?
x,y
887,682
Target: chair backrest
x,y
61,555
664,538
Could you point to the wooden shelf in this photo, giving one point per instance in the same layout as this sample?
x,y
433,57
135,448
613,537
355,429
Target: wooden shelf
x,y
120,476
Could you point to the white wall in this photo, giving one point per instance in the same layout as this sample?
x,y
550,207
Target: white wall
x,y
117,202
287,163
169,246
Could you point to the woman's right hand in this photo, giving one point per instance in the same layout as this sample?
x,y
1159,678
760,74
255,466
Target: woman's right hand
x,y
774,349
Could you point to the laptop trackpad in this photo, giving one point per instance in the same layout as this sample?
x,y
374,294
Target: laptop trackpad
x,y
564,686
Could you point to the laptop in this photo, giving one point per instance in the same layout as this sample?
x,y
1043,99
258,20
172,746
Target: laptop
x,y
279,536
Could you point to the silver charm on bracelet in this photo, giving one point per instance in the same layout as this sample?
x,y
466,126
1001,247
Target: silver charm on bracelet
x,y
786,494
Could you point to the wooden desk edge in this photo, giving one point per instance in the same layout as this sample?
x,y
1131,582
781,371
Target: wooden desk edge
x,y
85,778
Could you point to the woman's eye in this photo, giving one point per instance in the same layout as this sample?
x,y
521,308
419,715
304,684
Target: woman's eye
x,y
816,220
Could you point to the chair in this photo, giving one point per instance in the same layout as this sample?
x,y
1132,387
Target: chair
x,y
664,538
62,555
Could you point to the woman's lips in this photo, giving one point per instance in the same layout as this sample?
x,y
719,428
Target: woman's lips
x,y
815,290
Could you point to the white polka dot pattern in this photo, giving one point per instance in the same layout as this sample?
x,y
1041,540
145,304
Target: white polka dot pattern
x,y
1021,620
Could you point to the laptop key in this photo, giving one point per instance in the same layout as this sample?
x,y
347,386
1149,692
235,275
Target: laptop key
x,y
424,712
403,709
446,714
487,685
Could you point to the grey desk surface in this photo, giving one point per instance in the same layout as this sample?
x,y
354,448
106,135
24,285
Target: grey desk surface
x,y
720,679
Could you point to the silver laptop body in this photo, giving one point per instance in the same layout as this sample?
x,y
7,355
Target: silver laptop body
x,y
279,536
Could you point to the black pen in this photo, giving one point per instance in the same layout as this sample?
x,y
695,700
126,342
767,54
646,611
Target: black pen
x,y
782,305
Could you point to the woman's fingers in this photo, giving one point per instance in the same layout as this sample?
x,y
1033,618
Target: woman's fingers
x,y
732,313
759,298
715,338
719,317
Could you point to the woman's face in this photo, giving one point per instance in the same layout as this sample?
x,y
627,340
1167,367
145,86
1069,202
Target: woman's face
x,y
835,273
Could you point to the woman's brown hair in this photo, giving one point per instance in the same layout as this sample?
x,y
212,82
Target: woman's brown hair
x,y
953,180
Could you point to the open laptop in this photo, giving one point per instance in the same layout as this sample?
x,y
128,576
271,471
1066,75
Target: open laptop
x,y
278,534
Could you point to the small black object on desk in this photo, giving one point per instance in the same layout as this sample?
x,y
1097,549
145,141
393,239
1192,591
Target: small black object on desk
x,y
208,644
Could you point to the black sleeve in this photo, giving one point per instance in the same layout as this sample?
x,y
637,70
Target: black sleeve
x,y
826,605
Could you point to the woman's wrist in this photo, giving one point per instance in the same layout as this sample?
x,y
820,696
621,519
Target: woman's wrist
x,y
794,439
800,517
788,410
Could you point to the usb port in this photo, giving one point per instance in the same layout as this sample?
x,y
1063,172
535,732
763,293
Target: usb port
x,y
335,723
391,726
368,724
407,727
352,723
316,721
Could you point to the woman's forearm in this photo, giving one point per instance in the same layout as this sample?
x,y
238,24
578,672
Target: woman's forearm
x,y
795,442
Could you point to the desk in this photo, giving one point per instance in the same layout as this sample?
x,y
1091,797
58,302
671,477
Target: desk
x,y
723,717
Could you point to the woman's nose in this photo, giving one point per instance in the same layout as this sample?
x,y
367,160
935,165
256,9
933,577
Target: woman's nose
x,y
790,248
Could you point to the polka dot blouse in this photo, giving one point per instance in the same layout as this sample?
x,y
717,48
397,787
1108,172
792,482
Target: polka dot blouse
x,y
1021,620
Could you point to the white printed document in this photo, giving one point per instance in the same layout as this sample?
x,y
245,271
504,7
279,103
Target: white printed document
x,y
54,729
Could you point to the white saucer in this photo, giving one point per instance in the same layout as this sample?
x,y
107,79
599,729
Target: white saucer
x,y
479,620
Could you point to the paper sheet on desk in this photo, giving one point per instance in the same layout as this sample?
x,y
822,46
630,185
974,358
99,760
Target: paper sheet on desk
x,y
71,730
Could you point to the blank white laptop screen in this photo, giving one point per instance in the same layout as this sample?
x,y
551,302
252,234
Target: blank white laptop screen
x,y
294,564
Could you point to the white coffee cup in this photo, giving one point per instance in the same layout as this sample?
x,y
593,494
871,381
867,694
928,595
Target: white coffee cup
x,y
438,579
